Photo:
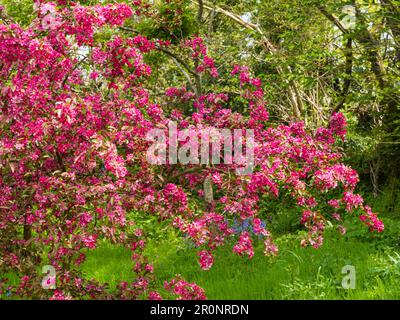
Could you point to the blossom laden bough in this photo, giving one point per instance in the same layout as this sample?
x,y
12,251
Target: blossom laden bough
x,y
73,157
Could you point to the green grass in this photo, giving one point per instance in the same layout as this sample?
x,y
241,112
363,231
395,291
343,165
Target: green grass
x,y
297,273
109,264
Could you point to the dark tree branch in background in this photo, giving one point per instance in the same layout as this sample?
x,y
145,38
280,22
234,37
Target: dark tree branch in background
x,y
200,12
348,52
183,63
73,69
187,76
128,29
364,37
393,22
197,85
333,19
371,45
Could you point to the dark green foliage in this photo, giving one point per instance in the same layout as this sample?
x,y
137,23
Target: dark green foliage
x,y
171,20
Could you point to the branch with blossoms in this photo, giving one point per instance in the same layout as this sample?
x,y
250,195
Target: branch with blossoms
x,y
74,160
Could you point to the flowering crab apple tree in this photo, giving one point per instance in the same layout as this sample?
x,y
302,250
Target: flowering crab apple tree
x,y
75,114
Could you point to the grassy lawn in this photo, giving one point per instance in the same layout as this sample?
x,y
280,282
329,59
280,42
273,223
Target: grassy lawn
x,y
297,273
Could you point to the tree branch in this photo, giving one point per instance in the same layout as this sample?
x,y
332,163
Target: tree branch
x,y
183,63
333,19
200,11
348,52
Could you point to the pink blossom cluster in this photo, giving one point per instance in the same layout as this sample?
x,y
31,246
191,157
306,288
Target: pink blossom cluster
x,y
199,52
154,295
244,246
88,18
245,77
336,128
185,290
206,259
180,93
371,220
330,177
59,295
210,230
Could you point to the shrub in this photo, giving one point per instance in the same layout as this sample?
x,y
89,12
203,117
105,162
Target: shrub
x,y
73,156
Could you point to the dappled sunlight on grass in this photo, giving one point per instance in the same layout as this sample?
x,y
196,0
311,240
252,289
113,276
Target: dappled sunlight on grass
x,y
297,273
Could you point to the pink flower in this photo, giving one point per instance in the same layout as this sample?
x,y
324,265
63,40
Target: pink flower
x,y
206,260
336,216
334,203
270,248
258,227
59,295
51,22
235,70
216,178
185,290
85,219
94,75
342,230
90,241
338,124
306,216
352,201
154,295
371,220
244,245
149,268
